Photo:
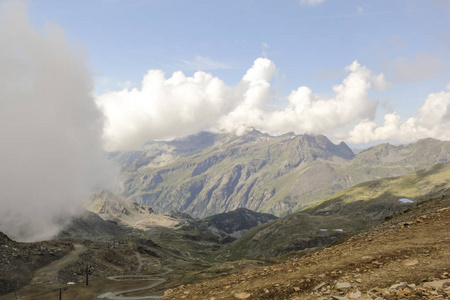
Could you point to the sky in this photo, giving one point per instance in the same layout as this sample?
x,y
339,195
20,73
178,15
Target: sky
x,y
360,71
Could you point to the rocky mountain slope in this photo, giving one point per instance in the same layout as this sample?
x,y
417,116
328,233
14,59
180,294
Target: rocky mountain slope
x,y
227,226
351,210
118,210
112,207
211,173
406,257
18,261
89,225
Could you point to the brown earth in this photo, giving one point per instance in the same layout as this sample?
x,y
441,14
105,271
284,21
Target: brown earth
x,y
412,248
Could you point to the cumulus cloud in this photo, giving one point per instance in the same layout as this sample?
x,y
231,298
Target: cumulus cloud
x,y
167,108
51,156
433,121
306,112
163,108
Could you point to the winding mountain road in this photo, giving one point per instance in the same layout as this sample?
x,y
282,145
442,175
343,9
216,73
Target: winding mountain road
x,y
118,295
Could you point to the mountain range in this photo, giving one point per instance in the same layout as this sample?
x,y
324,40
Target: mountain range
x,y
210,173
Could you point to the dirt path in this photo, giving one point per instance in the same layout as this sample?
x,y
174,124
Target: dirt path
x,y
118,295
49,273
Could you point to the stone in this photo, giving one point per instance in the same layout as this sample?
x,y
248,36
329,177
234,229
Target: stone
x,y
243,295
439,284
339,298
398,286
354,295
343,285
319,286
410,262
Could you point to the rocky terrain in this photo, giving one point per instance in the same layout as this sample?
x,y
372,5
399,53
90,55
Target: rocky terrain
x,y
18,261
117,210
208,173
406,257
90,226
112,207
227,226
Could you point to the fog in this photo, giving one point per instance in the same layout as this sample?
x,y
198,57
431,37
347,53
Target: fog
x,y
51,155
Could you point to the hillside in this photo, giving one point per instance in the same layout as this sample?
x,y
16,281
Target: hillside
x,y
350,211
19,260
208,173
406,257
227,226
112,207
89,225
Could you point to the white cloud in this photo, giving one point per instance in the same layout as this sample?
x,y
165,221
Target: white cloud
x,y
433,121
311,2
167,108
51,156
163,108
307,112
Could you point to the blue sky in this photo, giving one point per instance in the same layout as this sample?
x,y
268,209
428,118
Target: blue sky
x,y
310,42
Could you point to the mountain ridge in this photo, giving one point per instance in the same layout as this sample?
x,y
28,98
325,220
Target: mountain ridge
x,y
277,175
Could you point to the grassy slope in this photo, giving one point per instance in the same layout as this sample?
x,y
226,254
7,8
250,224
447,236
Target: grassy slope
x,y
351,210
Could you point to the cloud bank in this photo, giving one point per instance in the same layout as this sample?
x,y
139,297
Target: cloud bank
x,y
166,108
433,121
51,156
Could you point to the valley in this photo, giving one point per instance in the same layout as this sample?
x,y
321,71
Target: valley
x,y
368,236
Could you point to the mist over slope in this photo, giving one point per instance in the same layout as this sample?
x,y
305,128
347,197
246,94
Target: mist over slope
x,y
211,173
